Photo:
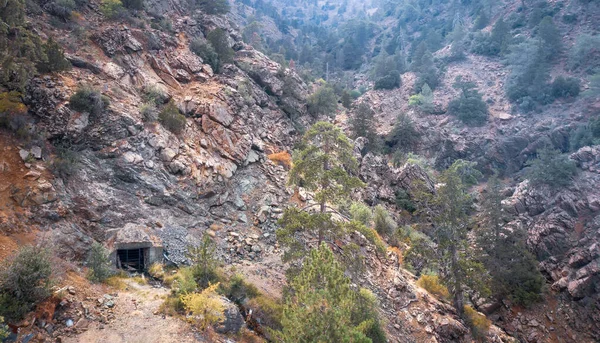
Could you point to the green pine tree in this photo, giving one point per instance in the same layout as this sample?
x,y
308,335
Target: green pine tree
x,y
449,208
512,267
321,304
324,165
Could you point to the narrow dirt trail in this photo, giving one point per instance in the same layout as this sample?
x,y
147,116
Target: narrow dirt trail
x,y
136,322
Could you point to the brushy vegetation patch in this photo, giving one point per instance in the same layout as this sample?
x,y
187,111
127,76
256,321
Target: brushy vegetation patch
x,y
433,285
478,323
171,118
24,281
87,99
282,158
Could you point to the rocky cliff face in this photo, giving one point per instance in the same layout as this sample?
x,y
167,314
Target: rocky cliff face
x,y
216,177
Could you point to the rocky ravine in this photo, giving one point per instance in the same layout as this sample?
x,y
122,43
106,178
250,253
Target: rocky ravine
x,y
214,178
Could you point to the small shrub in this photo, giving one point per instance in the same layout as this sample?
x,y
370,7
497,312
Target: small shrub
x,y
404,136
565,87
238,290
384,223
171,119
369,233
4,332
116,281
182,282
423,100
172,306
157,271
551,168
267,311
570,18
88,100
478,323
55,60
207,53
219,39
134,4
213,6
64,162
404,201
112,9
153,94
149,112
207,307
204,262
62,8
322,102
24,281
282,158
580,137
362,213
584,53
469,107
98,263
431,283
390,81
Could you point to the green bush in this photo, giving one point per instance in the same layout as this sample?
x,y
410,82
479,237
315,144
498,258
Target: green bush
x,y
551,168
384,223
404,201
322,102
4,331
55,58
65,161
238,290
98,263
390,81
62,8
134,4
565,87
219,39
361,212
584,53
581,136
204,262
213,6
112,9
206,52
88,100
171,119
404,136
469,107
24,281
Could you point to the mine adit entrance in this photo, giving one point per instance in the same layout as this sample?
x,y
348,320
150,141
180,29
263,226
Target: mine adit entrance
x,y
132,259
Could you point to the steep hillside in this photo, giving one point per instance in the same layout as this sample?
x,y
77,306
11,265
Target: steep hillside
x,y
169,124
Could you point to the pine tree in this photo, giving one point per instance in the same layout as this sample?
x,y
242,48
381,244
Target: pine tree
x,y
55,58
550,38
512,267
219,39
324,165
449,208
551,168
204,262
362,124
321,304
469,107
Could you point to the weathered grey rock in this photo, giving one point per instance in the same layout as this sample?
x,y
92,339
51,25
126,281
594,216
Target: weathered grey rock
x,y
233,321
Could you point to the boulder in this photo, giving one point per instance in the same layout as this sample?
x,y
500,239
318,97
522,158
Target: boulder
x,y
233,321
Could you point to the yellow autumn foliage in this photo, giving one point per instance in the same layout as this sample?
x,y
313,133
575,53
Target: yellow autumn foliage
x,y
206,307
